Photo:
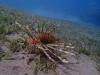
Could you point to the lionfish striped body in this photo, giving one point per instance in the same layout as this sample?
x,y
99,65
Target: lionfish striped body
x,y
43,38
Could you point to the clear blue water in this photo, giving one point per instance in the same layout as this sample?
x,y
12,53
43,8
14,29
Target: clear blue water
x,y
83,11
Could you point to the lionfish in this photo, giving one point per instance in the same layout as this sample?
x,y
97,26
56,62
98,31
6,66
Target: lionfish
x,y
42,40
